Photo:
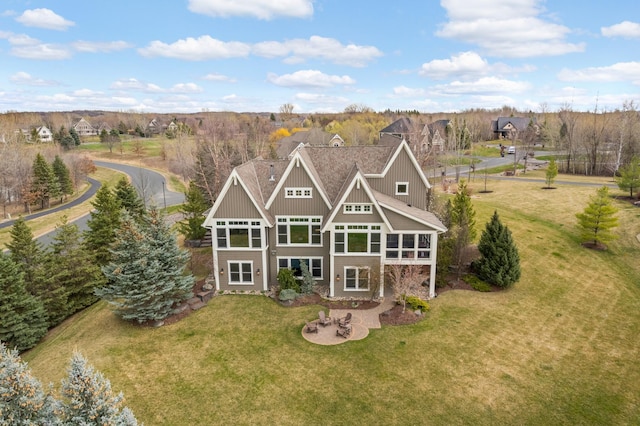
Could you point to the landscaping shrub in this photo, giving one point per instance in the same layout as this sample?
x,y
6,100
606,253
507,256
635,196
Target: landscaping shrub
x,y
417,303
287,294
287,280
476,283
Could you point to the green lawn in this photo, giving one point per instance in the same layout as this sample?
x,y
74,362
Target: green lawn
x,y
560,347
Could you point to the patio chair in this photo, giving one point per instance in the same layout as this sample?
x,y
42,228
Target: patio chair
x,y
344,331
343,322
323,320
311,327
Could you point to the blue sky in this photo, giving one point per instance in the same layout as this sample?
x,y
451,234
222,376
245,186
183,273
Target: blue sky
x,y
319,55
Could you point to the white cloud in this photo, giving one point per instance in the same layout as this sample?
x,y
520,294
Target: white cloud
x,y
133,84
316,47
408,92
626,29
319,98
218,77
522,32
87,93
261,9
43,51
485,85
94,46
622,71
197,49
27,79
463,64
22,40
309,78
44,18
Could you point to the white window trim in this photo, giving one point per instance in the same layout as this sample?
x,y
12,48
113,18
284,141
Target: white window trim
x,y
250,225
358,208
286,220
398,184
240,262
298,192
414,250
344,229
358,269
311,258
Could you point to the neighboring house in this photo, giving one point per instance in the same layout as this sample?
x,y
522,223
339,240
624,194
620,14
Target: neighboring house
x,y
103,126
311,137
407,129
44,134
84,128
348,212
434,135
157,126
510,127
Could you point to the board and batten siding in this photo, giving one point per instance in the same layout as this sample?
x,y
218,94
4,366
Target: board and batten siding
x,y
403,223
298,178
372,262
402,170
357,196
254,256
237,204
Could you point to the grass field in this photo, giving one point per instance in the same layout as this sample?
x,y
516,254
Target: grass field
x,y
560,347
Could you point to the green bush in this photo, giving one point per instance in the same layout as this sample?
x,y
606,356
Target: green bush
x,y
287,294
476,283
287,280
417,303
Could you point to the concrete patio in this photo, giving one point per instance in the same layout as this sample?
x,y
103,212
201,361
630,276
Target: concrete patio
x,y
361,321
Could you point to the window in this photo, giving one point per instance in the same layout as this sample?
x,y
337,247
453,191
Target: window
x,y
357,209
409,246
314,264
356,278
299,231
240,273
239,234
357,239
402,188
298,193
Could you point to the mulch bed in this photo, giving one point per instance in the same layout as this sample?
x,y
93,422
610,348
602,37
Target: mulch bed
x,y
316,299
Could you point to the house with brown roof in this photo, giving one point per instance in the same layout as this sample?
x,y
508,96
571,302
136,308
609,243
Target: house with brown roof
x,y
349,213
511,127
84,128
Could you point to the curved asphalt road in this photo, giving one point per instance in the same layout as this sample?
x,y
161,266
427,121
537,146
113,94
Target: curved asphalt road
x,y
148,182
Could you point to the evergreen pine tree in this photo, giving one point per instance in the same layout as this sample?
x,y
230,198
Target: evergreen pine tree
x,y
23,320
500,261
193,210
22,400
63,176
145,276
75,136
308,281
598,219
463,223
72,267
629,178
27,253
44,184
90,399
128,197
552,172
103,224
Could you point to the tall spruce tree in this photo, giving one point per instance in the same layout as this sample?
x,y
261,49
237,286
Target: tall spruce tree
x,y
128,197
23,320
44,184
71,266
63,176
193,210
27,252
463,223
145,276
551,173
500,261
103,224
598,219
22,399
89,399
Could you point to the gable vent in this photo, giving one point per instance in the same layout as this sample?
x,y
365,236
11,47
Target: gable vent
x,y
272,174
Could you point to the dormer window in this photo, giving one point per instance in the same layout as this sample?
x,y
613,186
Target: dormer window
x,y
357,209
402,188
298,193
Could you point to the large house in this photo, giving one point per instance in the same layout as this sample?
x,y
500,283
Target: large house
x,y
347,212
84,128
511,127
